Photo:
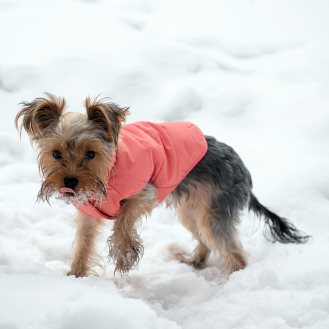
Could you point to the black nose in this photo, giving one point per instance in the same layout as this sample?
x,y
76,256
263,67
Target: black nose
x,y
70,182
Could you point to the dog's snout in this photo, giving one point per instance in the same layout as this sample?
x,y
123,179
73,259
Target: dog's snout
x,y
70,182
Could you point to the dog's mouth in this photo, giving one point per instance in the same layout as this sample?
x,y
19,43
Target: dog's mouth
x,y
67,191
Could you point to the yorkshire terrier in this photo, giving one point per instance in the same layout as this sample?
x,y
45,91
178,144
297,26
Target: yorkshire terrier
x,y
111,170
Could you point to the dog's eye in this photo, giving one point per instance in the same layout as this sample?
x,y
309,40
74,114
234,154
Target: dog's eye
x,y
57,155
90,155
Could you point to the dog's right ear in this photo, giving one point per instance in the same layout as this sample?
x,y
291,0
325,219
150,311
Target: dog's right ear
x,y
39,115
108,116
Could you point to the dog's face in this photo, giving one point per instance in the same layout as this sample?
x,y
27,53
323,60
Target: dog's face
x,y
76,151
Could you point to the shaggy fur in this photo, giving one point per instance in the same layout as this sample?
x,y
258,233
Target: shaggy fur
x,y
208,200
84,257
125,245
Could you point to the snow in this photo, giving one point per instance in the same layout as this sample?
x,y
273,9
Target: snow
x,y
254,74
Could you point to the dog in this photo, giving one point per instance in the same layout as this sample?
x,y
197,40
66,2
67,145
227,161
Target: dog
x,y
111,170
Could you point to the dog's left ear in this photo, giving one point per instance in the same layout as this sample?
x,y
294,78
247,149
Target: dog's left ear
x,y
108,116
39,115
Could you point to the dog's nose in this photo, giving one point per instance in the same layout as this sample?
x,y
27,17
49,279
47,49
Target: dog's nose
x,y
70,182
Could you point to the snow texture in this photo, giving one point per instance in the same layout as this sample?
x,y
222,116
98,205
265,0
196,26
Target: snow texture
x,y
252,73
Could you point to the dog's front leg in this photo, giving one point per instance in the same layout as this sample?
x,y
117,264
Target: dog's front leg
x,y
125,245
84,255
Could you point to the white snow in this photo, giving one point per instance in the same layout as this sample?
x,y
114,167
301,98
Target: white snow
x,y
252,73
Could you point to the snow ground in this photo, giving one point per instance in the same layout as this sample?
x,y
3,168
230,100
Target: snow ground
x,y
255,74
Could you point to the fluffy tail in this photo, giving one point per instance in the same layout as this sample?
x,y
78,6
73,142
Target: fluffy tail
x,y
281,229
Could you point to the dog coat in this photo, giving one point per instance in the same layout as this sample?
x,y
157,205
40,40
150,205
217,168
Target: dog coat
x,y
163,153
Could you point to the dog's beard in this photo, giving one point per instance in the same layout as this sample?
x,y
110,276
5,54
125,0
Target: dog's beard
x,y
82,197
94,192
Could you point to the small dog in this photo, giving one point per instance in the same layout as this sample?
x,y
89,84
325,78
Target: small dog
x,y
113,171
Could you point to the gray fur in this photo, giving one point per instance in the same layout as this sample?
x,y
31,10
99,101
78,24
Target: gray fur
x,y
232,185
222,168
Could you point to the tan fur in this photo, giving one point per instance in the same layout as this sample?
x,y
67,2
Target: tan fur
x,y
234,255
74,136
125,245
196,215
84,257
39,115
108,116
92,175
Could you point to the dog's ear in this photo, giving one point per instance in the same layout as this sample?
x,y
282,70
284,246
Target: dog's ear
x,y
108,116
39,115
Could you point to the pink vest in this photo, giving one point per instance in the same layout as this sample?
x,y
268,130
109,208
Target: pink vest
x,y
163,153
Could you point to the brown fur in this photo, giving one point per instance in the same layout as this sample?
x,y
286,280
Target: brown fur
x,y
125,247
84,257
108,116
197,216
40,114
92,175
73,135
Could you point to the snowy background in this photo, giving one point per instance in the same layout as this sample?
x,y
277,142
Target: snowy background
x,y
254,74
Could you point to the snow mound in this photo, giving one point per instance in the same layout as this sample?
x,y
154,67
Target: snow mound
x,y
254,74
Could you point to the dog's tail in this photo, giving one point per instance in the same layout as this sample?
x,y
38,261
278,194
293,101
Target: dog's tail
x,y
281,229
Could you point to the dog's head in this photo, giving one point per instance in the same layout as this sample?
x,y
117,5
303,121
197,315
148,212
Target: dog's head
x,y
76,151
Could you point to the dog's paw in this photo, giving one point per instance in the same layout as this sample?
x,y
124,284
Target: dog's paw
x,y
196,263
78,269
71,273
96,270
126,257
77,273
125,262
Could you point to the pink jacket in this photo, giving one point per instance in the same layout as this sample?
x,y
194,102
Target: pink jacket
x,y
163,153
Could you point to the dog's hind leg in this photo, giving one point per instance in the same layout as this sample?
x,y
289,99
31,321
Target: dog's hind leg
x,y
215,230
228,245
201,253
218,232
84,255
